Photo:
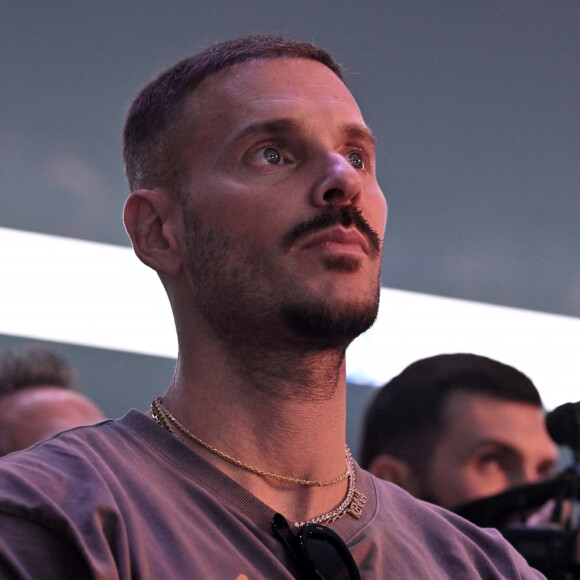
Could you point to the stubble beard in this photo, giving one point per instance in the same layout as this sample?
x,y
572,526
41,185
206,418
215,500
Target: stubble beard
x,y
323,325
227,280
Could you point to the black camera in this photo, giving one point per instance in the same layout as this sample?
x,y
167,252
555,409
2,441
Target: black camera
x,y
551,549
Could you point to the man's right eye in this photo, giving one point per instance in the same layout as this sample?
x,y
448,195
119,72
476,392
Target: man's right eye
x,y
489,458
272,156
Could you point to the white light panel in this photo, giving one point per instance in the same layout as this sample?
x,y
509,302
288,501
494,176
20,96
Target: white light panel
x,y
100,295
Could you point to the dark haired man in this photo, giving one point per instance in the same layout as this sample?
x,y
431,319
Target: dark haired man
x,y
454,428
255,200
39,396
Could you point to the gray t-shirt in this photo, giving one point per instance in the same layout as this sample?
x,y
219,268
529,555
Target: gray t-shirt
x,y
126,500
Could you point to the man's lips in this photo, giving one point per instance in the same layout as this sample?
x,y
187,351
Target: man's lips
x,y
339,220
337,237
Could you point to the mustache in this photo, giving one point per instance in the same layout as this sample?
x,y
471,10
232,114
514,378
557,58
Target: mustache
x,y
344,215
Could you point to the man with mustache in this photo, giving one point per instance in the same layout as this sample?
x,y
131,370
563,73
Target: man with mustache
x,y
254,198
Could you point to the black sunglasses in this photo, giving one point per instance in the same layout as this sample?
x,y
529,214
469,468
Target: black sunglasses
x,y
319,553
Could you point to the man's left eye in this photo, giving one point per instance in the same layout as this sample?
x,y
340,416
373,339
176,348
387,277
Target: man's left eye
x,y
356,160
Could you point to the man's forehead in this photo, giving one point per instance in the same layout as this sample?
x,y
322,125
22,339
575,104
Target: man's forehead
x,y
274,79
462,398
482,415
471,411
275,95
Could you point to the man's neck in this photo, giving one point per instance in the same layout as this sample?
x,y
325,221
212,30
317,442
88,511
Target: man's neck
x,y
291,423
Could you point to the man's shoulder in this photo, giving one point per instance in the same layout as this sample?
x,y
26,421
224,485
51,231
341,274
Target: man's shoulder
x,y
441,537
396,504
63,458
72,473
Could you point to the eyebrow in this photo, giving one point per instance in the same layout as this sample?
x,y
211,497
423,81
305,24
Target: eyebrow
x,y
281,126
508,450
359,132
505,447
274,127
497,444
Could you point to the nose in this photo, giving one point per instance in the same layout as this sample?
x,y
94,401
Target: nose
x,y
527,475
340,183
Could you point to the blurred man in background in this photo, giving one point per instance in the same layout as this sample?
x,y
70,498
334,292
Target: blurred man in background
x,y
454,428
39,396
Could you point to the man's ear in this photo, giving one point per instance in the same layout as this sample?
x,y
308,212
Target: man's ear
x,y
154,223
396,470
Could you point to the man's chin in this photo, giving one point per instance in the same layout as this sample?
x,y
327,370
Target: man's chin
x,y
330,325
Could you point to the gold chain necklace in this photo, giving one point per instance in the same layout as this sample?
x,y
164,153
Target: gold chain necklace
x,y
344,507
162,415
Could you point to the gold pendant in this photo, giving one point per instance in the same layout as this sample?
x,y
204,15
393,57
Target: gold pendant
x,y
355,509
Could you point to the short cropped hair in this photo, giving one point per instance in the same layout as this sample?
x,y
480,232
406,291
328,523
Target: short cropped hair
x,y
153,133
33,366
405,418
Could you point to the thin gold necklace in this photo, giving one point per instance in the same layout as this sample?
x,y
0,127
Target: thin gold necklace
x,y
162,415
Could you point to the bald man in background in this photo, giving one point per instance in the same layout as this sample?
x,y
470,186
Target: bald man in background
x,y
39,396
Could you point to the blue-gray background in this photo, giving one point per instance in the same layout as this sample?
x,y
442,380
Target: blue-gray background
x,y
475,104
